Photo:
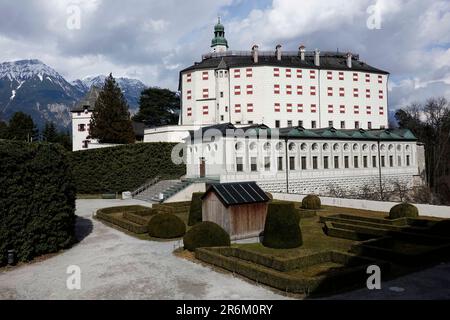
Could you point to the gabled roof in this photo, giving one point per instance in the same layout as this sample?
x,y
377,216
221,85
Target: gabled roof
x,y
237,193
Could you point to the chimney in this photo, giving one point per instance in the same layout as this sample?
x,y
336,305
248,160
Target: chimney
x,y
255,53
349,59
317,57
301,51
278,52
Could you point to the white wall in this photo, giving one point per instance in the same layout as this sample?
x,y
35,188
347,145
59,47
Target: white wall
x,y
186,194
424,209
174,134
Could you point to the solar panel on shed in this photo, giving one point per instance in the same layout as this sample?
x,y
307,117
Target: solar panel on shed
x,y
239,193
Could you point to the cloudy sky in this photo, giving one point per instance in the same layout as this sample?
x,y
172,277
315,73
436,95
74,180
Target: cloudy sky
x,y
152,40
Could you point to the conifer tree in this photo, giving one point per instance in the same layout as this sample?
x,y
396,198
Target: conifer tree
x,y
21,127
50,134
111,119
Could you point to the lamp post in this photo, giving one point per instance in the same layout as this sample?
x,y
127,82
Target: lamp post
x,y
11,257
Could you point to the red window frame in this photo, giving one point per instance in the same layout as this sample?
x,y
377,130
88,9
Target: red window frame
x,y
189,77
288,73
330,91
276,72
355,92
381,111
249,72
205,110
342,108
341,92
249,107
300,90
189,95
355,77
189,112
312,74
276,89
367,77
368,109
329,75
249,89
356,109
341,75
313,108
300,107
237,108
289,107
380,94
237,90
205,93
289,89
237,73
81,128
313,90
277,107
205,75
299,74
380,79
330,108
367,93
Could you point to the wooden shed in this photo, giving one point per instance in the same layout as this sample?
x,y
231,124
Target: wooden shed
x,y
240,208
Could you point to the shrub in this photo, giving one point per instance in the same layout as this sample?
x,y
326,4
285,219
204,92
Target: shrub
x,y
282,229
441,228
403,210
206,234
37,200
166,226
195,211
123,168
311,202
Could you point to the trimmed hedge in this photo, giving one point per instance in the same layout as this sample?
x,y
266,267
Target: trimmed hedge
x,y
403,210
206,234
311,202
37,200
108,215
282,228
195,211
441,228
123,168
166,226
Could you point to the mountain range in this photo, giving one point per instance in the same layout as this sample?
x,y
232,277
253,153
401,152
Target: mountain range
x,y
36,89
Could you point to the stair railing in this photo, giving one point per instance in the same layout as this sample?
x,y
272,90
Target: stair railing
x,y
145,186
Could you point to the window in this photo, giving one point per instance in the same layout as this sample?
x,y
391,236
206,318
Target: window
x,y
365,162
85,144
205,75
313,90
342,124
346,162
237,73
289,107
300,107
330,123
300,123
356,124
189,111
355,162
249,107
355,77
276,89
189,94
380,94
313,108
330,91
239,164
276,72
330,108
189,77
381,111
408,161
391,161
374,161
292,163
313,124
325,162
249,72
222,118
341,92
277,107
250,122
78,113
356,109
312,74
237,90
367,77
237,108
267,163
341,76
249,89
329,75
205,93
288,89
355,92
205,110
367,93
336,162
383,161
226,108
341,109
288,73
253,164
315,163
303,163
399,161
369,125
277,123
81,127
280,164
289,123
368,109
380,79
238,122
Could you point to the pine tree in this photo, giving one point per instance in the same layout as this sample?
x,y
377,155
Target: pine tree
x,y
3,130
21,127
111,119
158,107
50,134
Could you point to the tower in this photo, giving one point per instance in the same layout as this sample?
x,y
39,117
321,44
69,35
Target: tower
x,y
219,43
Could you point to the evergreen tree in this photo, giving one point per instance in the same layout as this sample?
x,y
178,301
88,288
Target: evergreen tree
x,y
3,130
158,107
111,119
65,140
21,127
50,134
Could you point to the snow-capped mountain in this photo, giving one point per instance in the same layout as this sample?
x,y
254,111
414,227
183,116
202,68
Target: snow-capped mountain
x,y
33,87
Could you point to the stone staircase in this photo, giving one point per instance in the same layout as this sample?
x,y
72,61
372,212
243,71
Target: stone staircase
x,y
167,187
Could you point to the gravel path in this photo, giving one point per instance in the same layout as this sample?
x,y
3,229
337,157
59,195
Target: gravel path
x,y
117,266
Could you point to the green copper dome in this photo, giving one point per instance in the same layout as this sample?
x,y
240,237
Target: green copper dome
x,y
219,36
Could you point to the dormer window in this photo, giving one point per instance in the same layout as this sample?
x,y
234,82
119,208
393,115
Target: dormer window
x,y
86,109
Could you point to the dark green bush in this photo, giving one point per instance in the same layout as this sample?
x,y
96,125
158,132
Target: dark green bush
x,y
37,200
311,202
206,234
166,226
282,228
123,168
442,228
403,210
195,211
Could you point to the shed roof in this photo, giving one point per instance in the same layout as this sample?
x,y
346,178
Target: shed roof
x,y
237,193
